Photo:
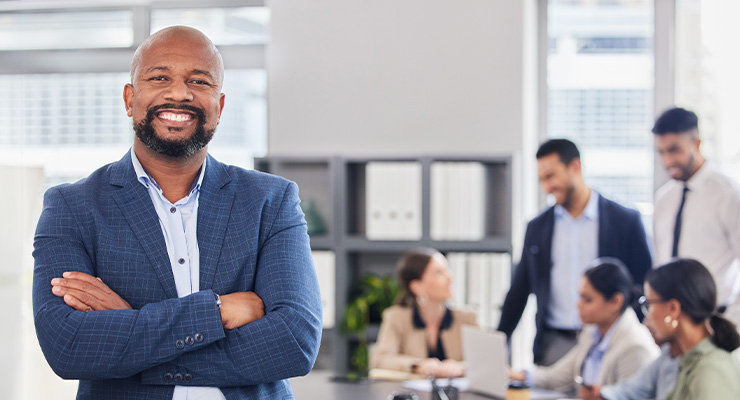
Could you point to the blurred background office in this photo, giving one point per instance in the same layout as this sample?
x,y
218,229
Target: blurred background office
x,y
361,78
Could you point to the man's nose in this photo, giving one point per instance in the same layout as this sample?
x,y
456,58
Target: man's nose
x,y
179,91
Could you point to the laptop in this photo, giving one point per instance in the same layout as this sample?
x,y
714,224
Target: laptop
x,y
485,360
487,367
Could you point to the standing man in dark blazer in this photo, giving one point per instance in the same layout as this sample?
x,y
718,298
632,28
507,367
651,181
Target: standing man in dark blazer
x,y
559,246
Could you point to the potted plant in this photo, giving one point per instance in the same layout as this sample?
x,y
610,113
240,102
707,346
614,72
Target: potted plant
x,y
373,295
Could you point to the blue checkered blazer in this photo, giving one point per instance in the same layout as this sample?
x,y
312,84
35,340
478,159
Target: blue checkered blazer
x,y
252,237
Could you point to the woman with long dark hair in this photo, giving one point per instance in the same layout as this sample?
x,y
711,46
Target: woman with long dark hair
x,y
421,334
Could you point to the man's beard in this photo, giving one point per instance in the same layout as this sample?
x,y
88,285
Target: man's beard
x,y
182,148
570,191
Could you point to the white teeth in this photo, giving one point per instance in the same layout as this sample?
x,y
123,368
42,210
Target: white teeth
x,y
175,117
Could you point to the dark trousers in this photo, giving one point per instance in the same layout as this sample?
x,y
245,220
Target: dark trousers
x,y
555,343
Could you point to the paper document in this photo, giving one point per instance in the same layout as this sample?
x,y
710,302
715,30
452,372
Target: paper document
x,y
425,385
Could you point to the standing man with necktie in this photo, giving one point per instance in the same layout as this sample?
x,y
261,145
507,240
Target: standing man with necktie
x,y
697,213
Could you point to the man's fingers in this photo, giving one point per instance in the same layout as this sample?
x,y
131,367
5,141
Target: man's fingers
x,y
75,303
89,279
80,285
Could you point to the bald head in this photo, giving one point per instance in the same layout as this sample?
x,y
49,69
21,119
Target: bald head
x,y
177,36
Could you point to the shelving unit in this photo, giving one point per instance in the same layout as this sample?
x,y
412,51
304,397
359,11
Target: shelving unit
x,y
338,188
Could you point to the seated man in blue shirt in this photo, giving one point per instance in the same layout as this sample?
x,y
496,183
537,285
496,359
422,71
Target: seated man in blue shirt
x,y
168,275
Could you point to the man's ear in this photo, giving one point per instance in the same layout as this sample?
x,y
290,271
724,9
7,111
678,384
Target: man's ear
x,y
128,99
575,165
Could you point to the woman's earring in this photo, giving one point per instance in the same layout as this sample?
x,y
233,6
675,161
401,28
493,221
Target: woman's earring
x,y
673,323
422,300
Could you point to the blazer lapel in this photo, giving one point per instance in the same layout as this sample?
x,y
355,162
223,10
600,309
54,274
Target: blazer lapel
x,y
548,229
214,210
137,208
604,223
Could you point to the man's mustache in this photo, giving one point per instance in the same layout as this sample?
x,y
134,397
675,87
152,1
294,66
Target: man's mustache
x,y
199,112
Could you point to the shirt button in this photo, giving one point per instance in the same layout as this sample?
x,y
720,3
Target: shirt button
x,y
181,261
173,210
189,340
188,378
179,343
198,337
168,377
178,377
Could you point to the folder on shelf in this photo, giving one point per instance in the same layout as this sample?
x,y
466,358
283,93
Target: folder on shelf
x,y
324,262
393,201
457,201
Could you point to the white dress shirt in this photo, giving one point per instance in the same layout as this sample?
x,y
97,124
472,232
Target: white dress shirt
x,y
710,229
178,222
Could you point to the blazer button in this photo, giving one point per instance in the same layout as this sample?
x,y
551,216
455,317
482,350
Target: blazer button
x,y
188,377
189,340
178,377
168,377
179,343
198,337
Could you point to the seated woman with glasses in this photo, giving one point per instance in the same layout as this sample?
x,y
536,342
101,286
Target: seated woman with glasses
x,y
680,310
421,334
611,347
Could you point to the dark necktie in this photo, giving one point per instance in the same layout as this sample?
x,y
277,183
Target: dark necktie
x,y
677,227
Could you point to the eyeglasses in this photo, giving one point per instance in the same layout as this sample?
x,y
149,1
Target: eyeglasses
x,y
645,303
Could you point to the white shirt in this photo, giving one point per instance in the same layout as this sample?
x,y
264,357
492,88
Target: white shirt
x,y
710,229
575,244
179,222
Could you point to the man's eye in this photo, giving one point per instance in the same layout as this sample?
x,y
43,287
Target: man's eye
x,y
157,78
200,82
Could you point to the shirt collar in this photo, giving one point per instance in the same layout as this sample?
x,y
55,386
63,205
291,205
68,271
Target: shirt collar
x,y
700,177
446,320
697,353
591,211
146,179
603,343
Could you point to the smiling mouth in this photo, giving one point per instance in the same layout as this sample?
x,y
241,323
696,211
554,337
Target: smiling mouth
x,y
175,116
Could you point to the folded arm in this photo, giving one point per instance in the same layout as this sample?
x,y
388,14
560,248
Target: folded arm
x,y
285,342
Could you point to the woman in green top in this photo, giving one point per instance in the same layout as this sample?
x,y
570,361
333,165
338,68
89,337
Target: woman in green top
x,y
681,300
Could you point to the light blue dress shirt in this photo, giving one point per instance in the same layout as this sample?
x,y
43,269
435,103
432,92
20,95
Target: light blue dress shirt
x,y
592,364
179,222
655,381
575,244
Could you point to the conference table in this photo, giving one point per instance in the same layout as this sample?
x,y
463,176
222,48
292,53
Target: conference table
x,y
319,385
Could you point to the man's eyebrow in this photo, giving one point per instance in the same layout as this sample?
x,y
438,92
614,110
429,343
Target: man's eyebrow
x,y
202,72
152,69
195,71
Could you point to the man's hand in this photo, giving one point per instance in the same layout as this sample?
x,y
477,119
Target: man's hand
x,y
84,292
241,308
591,392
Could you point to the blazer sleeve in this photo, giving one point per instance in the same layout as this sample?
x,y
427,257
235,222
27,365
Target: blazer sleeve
x,y
518,294
641,385
387,351
106,344
560,376
285,342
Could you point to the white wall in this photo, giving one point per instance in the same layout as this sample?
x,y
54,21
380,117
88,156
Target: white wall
x,y
388,76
